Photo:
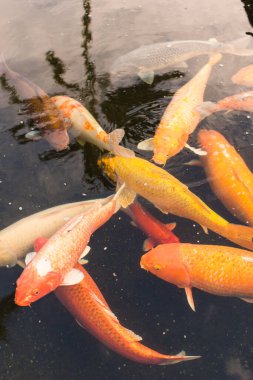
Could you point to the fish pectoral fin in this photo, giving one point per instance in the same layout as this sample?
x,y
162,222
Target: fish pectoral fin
x,y
21,263
115,138
148,244
79,324
85,252
126,196
193,163
206,109
146,76
29,257
33,135
189,296
80,141
250,300
163,211
73,277
83,261
132,337
146,144
205,229
198,151
133,223
171,226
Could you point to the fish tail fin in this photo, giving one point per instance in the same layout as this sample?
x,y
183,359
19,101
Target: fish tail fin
x,y
180,357
207,108
215,58
239,46
115,138
241,235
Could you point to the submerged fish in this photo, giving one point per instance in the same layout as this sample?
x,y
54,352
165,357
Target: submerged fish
x,y
157,232
148,59
244,77
54,263
91,311
228,175
180,117
238,102
51,123
17,239
224,271
170,196
85,128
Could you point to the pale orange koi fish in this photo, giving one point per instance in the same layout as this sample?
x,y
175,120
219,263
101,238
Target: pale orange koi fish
x,y
180,117
85,128
51,123
244,77
54,263
170,196
91,311
228,175
224,271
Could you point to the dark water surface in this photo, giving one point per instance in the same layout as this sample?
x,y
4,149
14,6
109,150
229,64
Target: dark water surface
x,y
67,47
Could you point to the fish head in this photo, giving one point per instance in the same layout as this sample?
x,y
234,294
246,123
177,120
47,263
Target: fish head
x,y
107,164
207,138
58,138
164,261
33,285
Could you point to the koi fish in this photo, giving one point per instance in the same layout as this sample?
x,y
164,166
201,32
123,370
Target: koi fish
x,y
85,128
228,175
180,117
239,102
51,124
91,311
148,59
17,239
54,263
244,77
157,232
224,271
170,196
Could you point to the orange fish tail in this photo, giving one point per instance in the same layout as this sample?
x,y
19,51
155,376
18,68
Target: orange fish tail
x,y
241,235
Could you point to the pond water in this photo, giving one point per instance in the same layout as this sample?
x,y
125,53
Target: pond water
x,y
67,47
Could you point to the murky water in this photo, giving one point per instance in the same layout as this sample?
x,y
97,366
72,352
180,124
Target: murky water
x,y
67,47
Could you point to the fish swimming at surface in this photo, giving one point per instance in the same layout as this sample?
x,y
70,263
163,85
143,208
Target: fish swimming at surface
x,y
85,128
170,196
219,270
53,264
146,60
52,126
180,118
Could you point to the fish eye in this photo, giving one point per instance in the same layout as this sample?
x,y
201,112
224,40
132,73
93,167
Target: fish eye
x,y
157,267
35,292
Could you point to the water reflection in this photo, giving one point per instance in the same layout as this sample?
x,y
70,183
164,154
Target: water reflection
x,y
7,306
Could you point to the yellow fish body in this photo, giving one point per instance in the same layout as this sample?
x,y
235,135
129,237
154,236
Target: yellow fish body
x,y
170,196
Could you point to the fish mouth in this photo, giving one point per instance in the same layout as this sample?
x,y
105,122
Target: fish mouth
x,y
22,302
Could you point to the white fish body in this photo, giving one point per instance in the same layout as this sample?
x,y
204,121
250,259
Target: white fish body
x,y
147,59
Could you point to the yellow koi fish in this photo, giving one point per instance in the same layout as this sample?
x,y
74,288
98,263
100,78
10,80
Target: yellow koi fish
x,y
170,196
180,117
85,128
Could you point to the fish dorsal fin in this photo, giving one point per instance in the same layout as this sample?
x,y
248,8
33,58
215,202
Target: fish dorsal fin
x,y
146,144
105,307
131,335
198,151
249,300
126,197
148,244
146,76
73,277
29,257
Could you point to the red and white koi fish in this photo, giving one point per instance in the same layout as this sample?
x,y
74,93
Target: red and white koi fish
x,y
157,232
51,123
180,117
91,311
220,270
244,77
85,128
54,263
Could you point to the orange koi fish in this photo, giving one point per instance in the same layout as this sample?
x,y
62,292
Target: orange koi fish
x,y
180,117
224,271
17,239
228,175
237,102
85,128
51,123
244,77
54,263
170,196
91,311
157,232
